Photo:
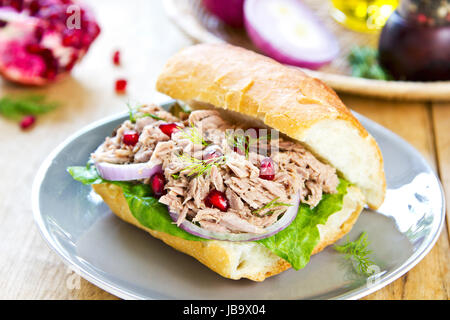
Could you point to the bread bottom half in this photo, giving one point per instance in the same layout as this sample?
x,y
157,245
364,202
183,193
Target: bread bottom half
x,y
236,260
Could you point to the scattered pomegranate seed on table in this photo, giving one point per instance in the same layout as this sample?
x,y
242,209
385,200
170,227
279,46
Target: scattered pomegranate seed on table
x,y
157,182
27,122
217,199
169,128
121,86
130,138
116,58
267,169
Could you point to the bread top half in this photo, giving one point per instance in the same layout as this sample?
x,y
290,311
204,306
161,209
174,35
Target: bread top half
x,y
284,98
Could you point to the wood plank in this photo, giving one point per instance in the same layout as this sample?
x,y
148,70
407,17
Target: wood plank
x,y
412,121
441,120
29,269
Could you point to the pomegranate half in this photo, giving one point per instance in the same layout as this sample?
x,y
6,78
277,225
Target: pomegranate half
x,y
42,40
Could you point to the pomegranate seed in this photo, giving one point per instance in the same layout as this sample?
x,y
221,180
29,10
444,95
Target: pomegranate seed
x,y
39,33
267,169
211,152
34,7
72,38
169,128
130,138
116,58
157,182
34,48
217,199
17,4
121,86
27,122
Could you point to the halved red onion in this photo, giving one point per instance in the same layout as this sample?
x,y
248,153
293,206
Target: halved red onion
x,y
288,31
127,172
278,226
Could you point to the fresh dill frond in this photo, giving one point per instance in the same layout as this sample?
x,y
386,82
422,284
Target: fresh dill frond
x,y
272,204
143,115
199,167
358,253
16,107
243,142
134,114
193,134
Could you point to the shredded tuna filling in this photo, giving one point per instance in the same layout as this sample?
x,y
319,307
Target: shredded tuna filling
x,y
235,173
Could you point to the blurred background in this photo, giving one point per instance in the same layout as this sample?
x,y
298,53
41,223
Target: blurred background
x,y
65,63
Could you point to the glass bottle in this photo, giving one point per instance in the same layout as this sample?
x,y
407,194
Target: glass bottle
x,y
363,15
415,42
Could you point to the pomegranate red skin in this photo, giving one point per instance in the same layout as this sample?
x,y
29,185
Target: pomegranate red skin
x,y
169,128
157,183
42,25
413,52
217,199
267,169
130,138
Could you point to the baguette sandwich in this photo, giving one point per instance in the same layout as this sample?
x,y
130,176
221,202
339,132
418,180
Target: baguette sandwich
x,y
257,167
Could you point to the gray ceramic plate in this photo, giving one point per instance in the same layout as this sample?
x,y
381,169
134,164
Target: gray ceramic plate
x,y
129,263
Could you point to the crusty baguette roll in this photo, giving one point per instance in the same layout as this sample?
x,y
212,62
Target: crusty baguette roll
x,y
236,260
285,99
247,86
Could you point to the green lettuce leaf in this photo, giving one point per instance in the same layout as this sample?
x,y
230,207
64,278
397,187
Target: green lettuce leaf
x,y
145,208
294,244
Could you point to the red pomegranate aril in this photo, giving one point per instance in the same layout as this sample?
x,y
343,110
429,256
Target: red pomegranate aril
x,y
217,200
72,38
116,58
34,7
17,4
130,138
34,48
169,128
267,169
121,86
27,122
157,182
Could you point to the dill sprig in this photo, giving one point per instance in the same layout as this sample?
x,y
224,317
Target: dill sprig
x,y
272,204
16,107
364,64
135,114
358,253
244,142
199,167
193,134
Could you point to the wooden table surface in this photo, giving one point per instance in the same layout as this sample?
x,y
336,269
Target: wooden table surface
x,y
146,38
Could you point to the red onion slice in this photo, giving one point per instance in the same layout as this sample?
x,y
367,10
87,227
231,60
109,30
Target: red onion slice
x,y
281,224
288,31
127,172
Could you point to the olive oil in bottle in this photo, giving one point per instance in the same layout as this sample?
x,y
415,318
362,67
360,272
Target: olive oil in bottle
x,y
363,15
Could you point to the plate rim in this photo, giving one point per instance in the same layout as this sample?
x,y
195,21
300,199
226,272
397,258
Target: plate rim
x,y
405,90
119,291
